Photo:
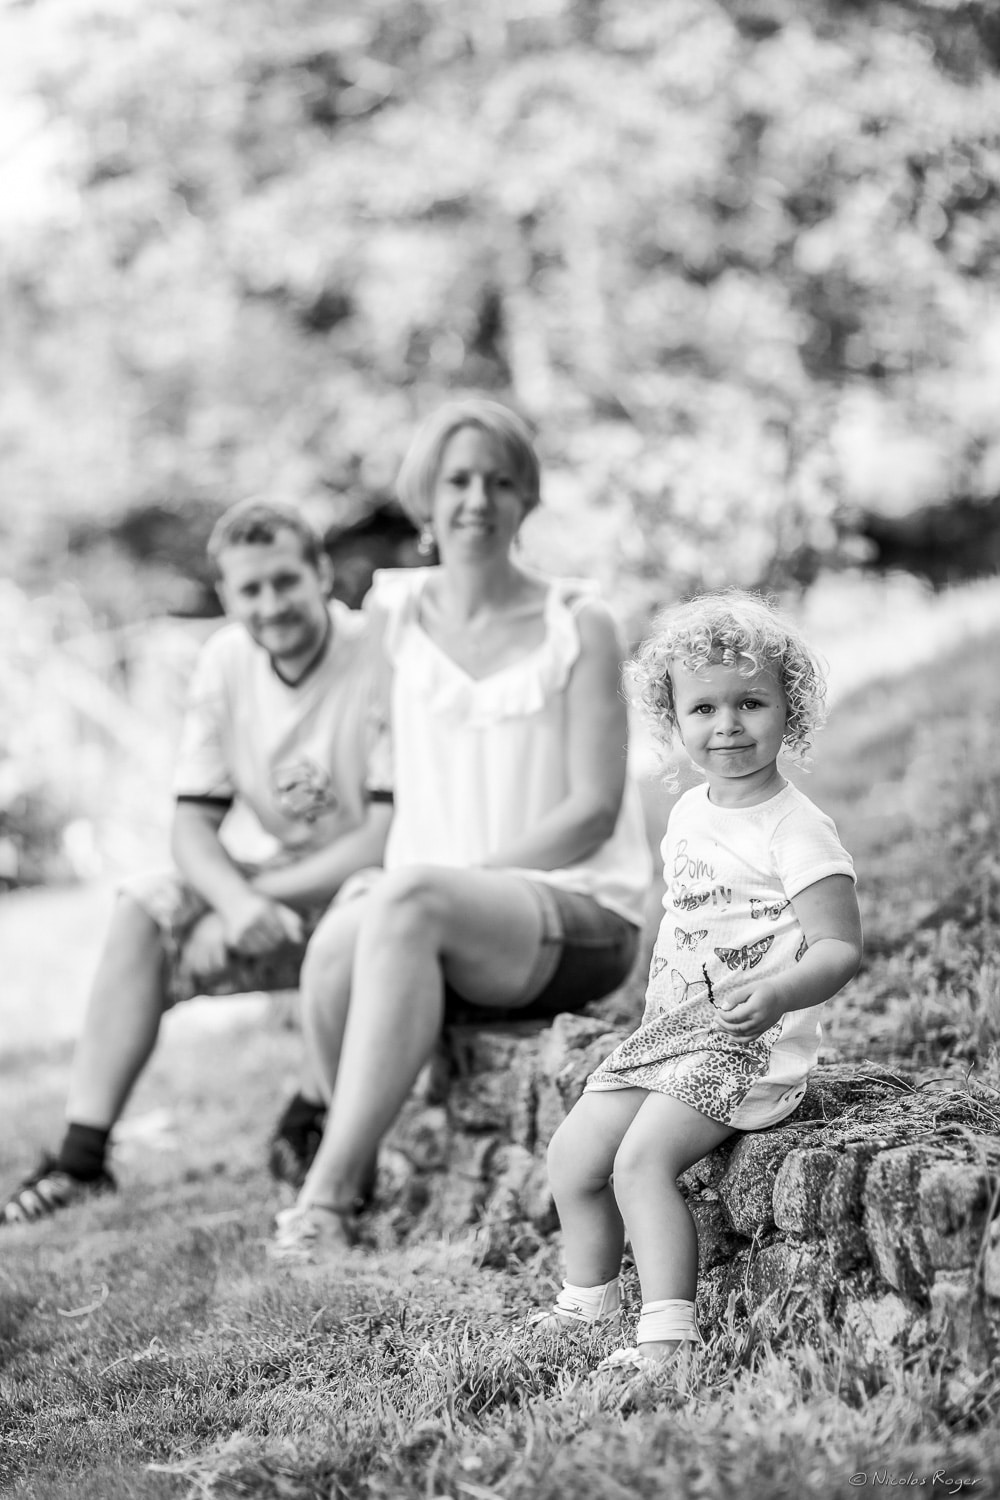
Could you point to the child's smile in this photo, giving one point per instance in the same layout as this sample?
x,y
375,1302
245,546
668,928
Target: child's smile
x,y
732,727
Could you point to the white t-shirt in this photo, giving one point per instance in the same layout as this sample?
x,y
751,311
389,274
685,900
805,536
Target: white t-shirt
x,y
479,762
296,763
731,873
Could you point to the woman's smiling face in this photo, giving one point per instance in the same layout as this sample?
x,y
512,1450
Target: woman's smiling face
x,y
477,505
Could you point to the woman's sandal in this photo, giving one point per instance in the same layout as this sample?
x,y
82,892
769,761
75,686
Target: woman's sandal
x,y
309,1235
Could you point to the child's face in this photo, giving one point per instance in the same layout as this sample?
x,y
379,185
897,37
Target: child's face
x,y
732,727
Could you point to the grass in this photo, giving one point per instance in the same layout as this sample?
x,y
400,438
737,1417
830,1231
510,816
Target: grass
x,y
148,1349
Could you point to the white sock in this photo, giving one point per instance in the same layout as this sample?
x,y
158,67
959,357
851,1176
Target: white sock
x,y
589,1302
672,1318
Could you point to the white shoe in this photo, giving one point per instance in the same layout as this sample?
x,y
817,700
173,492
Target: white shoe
x,y
569,1313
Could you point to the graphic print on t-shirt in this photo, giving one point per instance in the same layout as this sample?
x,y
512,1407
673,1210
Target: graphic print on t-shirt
x,y
770,909
747,957
303,790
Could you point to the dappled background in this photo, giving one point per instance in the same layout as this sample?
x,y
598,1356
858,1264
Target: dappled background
x,y
736,262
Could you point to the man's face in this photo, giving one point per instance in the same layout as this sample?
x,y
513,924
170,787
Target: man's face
x,y
279,596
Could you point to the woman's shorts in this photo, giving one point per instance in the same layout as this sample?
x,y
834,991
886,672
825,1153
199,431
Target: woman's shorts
x,y
586,951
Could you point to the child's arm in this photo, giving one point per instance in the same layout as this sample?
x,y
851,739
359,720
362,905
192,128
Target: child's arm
x,y
831,924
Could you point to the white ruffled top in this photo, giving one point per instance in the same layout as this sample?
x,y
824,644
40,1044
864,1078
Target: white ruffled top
x,y
478,762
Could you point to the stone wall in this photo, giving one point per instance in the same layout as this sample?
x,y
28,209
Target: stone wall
x,y
875,1206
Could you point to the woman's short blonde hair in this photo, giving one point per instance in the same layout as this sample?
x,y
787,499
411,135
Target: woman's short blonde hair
x,y
421,466
736,629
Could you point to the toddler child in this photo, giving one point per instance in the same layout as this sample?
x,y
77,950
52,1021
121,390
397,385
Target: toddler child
x,y
761,926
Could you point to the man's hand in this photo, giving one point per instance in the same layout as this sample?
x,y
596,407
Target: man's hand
x,y
747,1014
205,951
256,925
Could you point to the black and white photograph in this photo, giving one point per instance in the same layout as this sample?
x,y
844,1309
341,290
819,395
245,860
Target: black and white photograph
x,y
499,776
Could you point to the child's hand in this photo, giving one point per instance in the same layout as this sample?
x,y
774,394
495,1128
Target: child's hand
x,y
747,1014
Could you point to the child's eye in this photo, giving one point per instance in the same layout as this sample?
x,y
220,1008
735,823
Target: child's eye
x,y
702,708
751,703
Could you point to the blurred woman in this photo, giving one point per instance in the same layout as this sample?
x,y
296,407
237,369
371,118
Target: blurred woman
x,y
517,863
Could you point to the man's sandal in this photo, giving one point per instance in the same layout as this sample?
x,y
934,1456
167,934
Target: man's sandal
x,y
48,1189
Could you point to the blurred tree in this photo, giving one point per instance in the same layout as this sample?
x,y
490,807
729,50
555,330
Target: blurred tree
x,y
738,261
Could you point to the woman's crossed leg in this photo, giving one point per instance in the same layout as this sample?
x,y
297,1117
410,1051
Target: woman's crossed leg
x,y
373,998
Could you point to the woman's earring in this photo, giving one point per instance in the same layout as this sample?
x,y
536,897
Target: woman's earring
x,y
426,542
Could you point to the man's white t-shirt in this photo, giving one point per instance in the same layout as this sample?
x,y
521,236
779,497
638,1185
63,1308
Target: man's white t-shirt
x,y
296,764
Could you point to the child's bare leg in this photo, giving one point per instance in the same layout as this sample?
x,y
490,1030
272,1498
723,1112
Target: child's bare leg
x,y
581,1159
664,1138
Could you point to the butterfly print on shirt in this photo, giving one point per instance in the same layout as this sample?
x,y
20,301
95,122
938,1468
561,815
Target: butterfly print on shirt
x,y
689,939
684,990
771,909
745,958
802,948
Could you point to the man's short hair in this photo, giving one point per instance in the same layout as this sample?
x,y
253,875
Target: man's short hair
x,y
258,522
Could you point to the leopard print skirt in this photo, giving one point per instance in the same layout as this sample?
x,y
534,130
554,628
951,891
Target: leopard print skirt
x,y
680,1053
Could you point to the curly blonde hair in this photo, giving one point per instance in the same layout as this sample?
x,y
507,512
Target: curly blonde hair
x,y
736,629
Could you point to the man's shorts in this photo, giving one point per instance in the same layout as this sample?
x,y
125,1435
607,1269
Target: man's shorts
x,y
176,908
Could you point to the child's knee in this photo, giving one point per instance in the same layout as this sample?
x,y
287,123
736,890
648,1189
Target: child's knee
x,y
639,1169
564,1155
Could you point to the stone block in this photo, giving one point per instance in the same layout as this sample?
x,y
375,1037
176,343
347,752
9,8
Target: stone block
x,y
572,1049
880,1324
427,1138
891,1216
836,1087
720,1292
842,1206
718,1244
460,1192
491,1065
524,1108
745,1190
954,1200
960,1314
785,1281
511,1169
521,1190
550,1111
710,1171
798,1190
991,1262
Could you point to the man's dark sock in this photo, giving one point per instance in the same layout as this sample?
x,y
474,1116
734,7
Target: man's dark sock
x,y
82,1152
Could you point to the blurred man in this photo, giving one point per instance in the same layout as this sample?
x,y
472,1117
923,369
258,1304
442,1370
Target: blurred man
x,y
282,793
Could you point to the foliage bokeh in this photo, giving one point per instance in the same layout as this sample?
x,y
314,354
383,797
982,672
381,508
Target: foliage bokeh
x,y
737,260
